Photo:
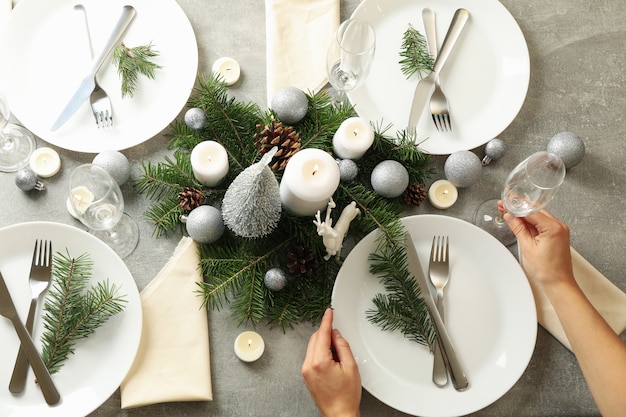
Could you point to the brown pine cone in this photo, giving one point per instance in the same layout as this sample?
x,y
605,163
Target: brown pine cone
x,y
190,198
275,134
415,194
301,261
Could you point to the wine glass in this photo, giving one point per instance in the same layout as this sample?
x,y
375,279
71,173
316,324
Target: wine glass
x,y
350,55
528,188
96,200
16,142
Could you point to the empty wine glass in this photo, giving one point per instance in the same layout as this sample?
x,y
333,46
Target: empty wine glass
x,y
16,142
350,55
96,200
528,188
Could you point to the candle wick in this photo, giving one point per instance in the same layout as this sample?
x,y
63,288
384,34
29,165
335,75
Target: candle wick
x,y
249,342
315,169
355,132
445,192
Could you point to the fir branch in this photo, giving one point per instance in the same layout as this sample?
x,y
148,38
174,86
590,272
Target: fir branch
x,y
74,312
131,62
414,53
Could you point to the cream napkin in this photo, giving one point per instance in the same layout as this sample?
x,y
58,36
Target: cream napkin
x,y
173,362
608,299
5,7
298,33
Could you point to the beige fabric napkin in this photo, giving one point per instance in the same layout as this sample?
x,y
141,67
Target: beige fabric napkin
x,y
173,362
298,33
608,299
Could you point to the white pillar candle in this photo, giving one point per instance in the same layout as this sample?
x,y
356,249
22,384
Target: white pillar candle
x,y
309,181
209,162
249,346
442,194
228,69
45,162
353,138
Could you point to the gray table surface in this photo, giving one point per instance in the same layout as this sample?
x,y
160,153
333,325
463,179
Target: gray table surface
x,y
577,78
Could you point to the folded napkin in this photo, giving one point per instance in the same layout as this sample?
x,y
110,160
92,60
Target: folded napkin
x,y
298,33
608,299
172,363
5,7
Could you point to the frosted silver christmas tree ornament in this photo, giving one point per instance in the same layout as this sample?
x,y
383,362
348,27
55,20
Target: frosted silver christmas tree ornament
x,y
494,150
390,178
569,147
195,118
463,168
204,224
116,164
290,105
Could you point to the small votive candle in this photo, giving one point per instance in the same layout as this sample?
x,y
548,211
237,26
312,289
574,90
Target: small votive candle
x,y
249,346
353,138
45,162
442,194
79,200
227,69
209,162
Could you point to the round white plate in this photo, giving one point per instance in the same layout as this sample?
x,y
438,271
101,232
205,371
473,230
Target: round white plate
x,y
490,316
47,47
101,361
485,79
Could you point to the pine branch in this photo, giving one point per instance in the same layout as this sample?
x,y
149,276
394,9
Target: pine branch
x,y
414,53
131,62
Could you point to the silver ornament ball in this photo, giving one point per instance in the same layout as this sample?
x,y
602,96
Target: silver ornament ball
x,y
463,168
390,178
205,224
195,118
494,150
27,180
115,163
348,169
569,147
275,279
290,105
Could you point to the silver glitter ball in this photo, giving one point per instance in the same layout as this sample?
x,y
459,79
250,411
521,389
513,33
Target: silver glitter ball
x,y
348,169
205,224
569,147
275,279
390,178
195,118
494,150
116,164
27,180
463,168
290,105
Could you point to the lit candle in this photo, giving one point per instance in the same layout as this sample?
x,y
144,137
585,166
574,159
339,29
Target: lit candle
x,y
228,69
45,162
442,194
309,181
353,138
249,346
80,198
209,162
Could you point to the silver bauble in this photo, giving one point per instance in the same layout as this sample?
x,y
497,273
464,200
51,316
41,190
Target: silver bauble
x,y
27,180
195,118
290,105
463,168
205,224
115,163
569,147
390,178
494,150
348,170
275,279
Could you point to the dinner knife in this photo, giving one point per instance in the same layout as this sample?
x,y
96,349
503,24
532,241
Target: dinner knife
x,y
426,85
44,380
457,375
88,84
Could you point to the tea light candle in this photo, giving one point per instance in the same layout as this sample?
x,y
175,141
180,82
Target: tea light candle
x,y
442,194
310,179
209,162
45,162
228,69
353,138
80,198
249,346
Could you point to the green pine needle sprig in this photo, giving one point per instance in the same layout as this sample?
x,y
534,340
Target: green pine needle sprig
x,y
132,62
414,53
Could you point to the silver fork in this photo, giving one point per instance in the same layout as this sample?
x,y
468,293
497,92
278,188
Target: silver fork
x,y
99,99
438,102
439,272
39,281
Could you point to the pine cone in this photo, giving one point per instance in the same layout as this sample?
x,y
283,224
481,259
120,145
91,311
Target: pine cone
x,y
275,134
415,194
190,198
301,261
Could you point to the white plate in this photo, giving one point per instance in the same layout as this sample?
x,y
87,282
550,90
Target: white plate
x,y
101,361
485,79
490,315
47,47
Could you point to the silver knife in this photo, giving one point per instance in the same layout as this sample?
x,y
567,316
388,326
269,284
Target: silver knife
x,y
44,380
89,83
425,86
457,375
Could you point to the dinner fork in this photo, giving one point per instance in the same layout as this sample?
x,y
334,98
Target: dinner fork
x,y
99,99
439,273
39,281
438,102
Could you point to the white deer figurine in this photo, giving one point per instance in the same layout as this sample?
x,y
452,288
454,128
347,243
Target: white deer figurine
x,y
333,236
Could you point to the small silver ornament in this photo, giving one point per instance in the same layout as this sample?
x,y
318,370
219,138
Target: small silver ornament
x,y
27,180
205,224
494,150
195,118
463,168
390,178
290,105
348,169
275,279
569,147
115,163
